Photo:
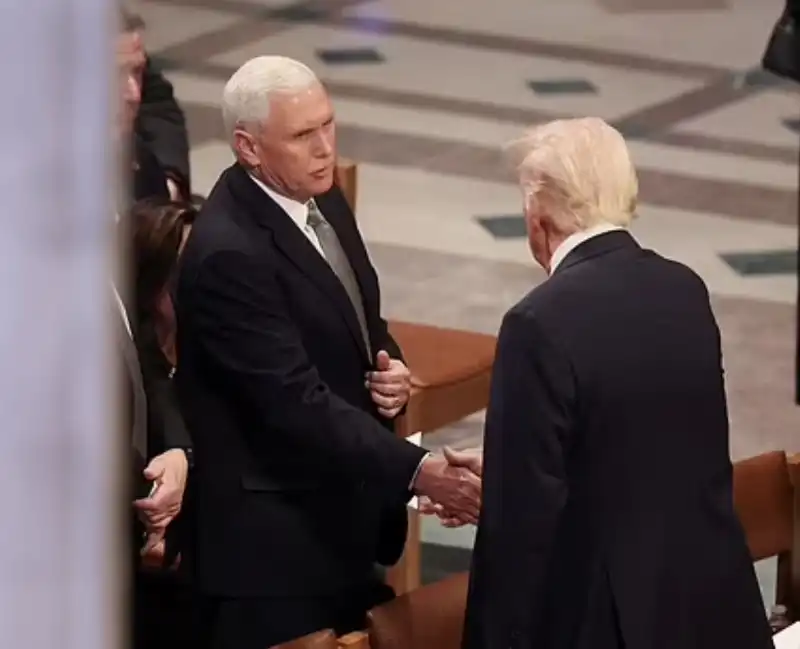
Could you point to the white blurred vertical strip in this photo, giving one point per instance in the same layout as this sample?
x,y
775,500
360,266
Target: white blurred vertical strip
x,y
59,454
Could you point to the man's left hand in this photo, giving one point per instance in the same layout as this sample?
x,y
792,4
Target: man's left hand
x,y
168,471
389,385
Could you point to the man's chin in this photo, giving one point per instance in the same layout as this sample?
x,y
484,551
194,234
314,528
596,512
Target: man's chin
x,y
322,183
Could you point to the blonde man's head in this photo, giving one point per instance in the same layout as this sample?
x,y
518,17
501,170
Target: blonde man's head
x,y
575,174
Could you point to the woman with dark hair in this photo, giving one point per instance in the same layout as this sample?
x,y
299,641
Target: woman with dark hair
x,y
160,230
163,595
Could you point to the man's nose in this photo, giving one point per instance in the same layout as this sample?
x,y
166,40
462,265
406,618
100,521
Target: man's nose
x,y
325,145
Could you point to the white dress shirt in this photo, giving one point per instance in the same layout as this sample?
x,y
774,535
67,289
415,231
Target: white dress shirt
x,y
118,298
574,240
122,310
296,210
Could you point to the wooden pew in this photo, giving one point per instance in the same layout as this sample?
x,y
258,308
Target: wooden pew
x,y
327,640
355,640
347,178
765,491
450,370
320,640
431,617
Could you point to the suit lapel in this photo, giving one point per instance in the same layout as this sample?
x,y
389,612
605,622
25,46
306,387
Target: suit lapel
x,y
297,248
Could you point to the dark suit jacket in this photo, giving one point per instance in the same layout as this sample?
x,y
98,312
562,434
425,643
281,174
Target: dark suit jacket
x,y
133,423
608,519
165,426
149,177
161,125
301,487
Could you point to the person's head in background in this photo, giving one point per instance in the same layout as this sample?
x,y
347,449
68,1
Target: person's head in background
x,y
131,61
160,230
280,122
576,175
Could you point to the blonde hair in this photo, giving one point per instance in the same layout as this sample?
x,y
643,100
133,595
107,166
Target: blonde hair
x,y
577,173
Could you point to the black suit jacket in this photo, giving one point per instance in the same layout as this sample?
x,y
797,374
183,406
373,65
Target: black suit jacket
x,y
301,486
161,124
608,519
132,423
149,178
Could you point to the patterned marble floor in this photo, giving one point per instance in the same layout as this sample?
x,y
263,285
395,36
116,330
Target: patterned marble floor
x,y
426,95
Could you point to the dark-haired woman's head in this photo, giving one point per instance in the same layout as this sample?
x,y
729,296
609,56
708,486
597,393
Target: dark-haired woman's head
x,y
160,229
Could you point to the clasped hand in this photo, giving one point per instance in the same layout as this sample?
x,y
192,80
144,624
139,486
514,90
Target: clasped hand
x,y
470,465
389,385
168,472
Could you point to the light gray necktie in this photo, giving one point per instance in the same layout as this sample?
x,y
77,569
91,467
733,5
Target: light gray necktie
x,y
337,259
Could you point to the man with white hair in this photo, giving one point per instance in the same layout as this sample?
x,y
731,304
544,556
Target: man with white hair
x,y
608,519
290,380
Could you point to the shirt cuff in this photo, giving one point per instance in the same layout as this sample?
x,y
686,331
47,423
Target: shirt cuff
x,y
416,472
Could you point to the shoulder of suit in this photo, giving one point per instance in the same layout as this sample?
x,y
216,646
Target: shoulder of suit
x,y
687,276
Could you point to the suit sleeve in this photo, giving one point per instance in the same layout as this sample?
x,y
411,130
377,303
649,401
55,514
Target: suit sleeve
x,y
240,320
162,125
529,427
166,427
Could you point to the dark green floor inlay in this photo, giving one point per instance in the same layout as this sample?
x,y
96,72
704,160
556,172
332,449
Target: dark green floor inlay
x,y
766,262
441,561
503,226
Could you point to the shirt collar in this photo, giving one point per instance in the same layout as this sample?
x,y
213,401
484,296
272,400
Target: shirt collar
x,y
574,240
297,211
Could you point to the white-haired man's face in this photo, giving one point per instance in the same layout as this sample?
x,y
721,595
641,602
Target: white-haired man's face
x,y
294,151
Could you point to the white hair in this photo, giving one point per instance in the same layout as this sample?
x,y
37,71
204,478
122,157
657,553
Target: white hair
x,y
246,98
577,173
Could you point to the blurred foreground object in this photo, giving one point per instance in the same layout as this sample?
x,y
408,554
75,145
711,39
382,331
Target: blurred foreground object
x,y
59,548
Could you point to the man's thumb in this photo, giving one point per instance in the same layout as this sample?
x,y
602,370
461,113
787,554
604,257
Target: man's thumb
x,y
382,361
462,459
453,457
153,471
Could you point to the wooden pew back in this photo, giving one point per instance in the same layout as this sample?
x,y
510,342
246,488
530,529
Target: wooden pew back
x,y
767,508
431,617
346,176
764,501
320,640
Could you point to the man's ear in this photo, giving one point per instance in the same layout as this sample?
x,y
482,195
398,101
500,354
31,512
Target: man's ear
x,y
245,147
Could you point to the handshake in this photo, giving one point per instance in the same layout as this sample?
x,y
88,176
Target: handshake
x,y
449,486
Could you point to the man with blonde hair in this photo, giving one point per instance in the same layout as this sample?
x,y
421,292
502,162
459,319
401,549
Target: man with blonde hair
x,y
608,518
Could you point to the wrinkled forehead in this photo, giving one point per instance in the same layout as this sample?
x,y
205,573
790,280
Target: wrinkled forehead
x,y
299,110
